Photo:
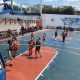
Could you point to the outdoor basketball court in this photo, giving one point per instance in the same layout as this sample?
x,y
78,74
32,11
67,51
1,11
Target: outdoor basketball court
x,y
65,66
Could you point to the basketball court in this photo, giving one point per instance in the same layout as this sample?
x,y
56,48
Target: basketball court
x,y
60,61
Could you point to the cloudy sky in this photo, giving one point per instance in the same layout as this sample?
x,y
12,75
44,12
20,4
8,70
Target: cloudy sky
x,y
75,3
52,2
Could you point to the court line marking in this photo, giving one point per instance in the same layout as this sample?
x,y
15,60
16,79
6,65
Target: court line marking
x,y
18,55
21,54
28,34
47,51
57,38
47,65
24,40
60,46
19,44
68,51
24,53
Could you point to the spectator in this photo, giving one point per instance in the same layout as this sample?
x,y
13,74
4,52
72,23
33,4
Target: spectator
x,y
22,30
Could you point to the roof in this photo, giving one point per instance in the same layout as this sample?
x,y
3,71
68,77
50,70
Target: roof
x,y
7,9
13,12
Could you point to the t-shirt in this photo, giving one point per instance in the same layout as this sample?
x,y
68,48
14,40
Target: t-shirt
x,y
56,33
31,44
10,44
44,36
15,45
38,43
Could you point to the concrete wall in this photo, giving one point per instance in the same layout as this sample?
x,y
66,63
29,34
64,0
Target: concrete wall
x,y
54,20
13,26
51,20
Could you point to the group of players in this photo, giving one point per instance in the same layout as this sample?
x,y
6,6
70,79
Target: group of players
x,y
64,35
37,43
14,46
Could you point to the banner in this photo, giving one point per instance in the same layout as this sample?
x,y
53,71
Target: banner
x,y
71,22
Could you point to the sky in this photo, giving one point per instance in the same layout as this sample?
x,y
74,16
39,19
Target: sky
x,y
74,3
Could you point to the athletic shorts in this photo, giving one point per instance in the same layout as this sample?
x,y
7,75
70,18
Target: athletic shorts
x,y
38,48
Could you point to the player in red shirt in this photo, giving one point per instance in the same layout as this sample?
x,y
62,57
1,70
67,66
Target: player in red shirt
x,y
44,37
31,46
15,46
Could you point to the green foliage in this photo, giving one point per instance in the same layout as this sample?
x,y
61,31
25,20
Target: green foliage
x,y
47,9
34,10
58,10
18,8
68,10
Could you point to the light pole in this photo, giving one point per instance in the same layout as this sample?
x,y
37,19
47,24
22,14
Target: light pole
x,y
21,7
12,4
40,6
30,8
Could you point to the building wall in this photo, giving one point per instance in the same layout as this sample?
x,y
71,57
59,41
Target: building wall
x,y
31,21
12,26
51,20
54,20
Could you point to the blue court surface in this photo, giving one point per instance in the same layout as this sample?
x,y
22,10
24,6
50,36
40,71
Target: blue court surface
x,y
66,65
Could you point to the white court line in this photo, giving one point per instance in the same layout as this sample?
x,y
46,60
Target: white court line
x,y
19,44
18,55
24,40
46,51
21,54
68,51
24,53
61,46
46,66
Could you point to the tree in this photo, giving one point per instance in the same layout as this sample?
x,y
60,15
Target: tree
x,y
58,10
68,10
48,9
16,8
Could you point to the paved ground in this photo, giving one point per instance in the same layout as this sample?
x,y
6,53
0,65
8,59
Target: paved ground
x,y
29,69
66,65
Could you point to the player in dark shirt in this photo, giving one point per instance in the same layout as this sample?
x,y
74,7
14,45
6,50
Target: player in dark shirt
x,y
10,49
56,33
38,46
